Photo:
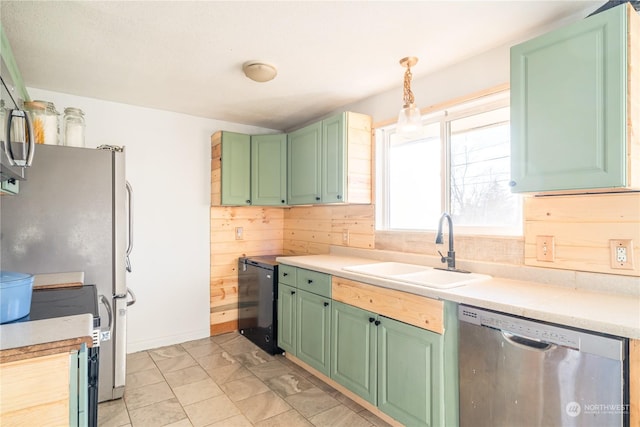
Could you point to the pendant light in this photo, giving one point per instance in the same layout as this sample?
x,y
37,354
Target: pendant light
x,y
410,118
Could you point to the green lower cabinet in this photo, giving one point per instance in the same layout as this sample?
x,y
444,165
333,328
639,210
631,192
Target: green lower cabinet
x,y
409,373
287,318
78,388
313,326
354,339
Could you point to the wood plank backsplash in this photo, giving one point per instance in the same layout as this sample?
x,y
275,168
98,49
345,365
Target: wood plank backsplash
x,y
312,229
268,231
262,230
582,226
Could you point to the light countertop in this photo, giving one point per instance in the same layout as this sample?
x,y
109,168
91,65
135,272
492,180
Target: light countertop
x,y
609,313
35,338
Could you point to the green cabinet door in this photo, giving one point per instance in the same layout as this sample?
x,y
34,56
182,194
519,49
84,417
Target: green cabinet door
x,y
304,166
568,108
409,373
334,136
313,326
287,318
354,350
236,169
78,387
269,170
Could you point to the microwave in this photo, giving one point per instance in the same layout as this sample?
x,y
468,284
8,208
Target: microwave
x,y
17,145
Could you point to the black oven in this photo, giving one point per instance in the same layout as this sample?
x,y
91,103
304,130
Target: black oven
x,y
59,302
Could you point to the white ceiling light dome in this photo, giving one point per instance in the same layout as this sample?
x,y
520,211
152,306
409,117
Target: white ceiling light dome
x,y
259,71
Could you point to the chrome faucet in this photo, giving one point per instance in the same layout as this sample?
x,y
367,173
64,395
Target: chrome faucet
x,y
450,259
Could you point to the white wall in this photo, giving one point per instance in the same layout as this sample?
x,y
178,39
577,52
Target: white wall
x,y
168,164
483,71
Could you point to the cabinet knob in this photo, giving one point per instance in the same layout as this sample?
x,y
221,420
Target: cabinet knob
x,y
512,184
285,274
248,202
282,201
339,197
377,322
326,304
317,198
371,319
293,292
309,281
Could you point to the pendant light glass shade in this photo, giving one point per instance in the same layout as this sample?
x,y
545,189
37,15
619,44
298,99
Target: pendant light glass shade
x,y
410,117
409,120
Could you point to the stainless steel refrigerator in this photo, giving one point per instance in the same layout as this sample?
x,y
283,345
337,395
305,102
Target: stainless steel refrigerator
x,y
73,213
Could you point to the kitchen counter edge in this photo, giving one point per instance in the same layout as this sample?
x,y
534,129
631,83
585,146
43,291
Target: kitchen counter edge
x,y
25,340
594,311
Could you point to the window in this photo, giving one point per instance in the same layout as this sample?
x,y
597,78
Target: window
x,y
460,163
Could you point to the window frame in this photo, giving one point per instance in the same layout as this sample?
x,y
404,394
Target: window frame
x,y
443,114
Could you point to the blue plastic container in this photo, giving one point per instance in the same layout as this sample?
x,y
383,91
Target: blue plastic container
x,y
15,295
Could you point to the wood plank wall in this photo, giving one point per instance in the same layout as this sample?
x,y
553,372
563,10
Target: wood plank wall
x,y
582,226
313,229
262,235
501,249
268,231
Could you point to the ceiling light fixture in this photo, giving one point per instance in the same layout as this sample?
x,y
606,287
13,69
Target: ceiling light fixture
x,y
409,119
259,71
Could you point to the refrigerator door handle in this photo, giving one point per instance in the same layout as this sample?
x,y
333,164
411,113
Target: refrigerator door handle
x,y
133,297
106,335
130,245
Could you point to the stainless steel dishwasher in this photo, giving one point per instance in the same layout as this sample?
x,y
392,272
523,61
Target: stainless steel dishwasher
x,y
519,372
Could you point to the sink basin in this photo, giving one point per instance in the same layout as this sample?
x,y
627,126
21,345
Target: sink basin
x,y
417,274
386,269
441,279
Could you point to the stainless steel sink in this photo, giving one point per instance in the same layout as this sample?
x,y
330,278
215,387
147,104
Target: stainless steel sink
x,y
419,275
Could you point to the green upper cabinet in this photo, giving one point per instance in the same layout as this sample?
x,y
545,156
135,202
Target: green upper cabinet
x,y
333,158
269,170
409,373
236,169
573,97
248,170
303,165
330,161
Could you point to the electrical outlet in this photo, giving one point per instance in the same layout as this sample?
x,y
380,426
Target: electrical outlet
x,y
239,233
545,248
621,253
345,236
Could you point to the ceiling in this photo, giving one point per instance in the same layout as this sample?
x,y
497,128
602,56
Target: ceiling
x,y
187,56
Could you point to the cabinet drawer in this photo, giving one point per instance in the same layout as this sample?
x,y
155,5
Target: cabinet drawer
x,y
423,312
287,274
312,281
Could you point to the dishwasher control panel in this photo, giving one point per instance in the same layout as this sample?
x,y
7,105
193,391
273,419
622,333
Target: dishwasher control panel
x,y
611,347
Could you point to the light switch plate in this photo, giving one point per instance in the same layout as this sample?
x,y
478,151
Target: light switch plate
x,y
545,248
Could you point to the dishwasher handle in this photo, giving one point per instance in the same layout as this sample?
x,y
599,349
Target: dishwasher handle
x,y
526,342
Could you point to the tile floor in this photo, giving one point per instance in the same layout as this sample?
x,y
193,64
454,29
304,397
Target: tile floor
x,y
226,380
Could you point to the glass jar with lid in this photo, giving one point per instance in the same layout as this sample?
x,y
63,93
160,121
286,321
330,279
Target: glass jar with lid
x,y
44,119
73,127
